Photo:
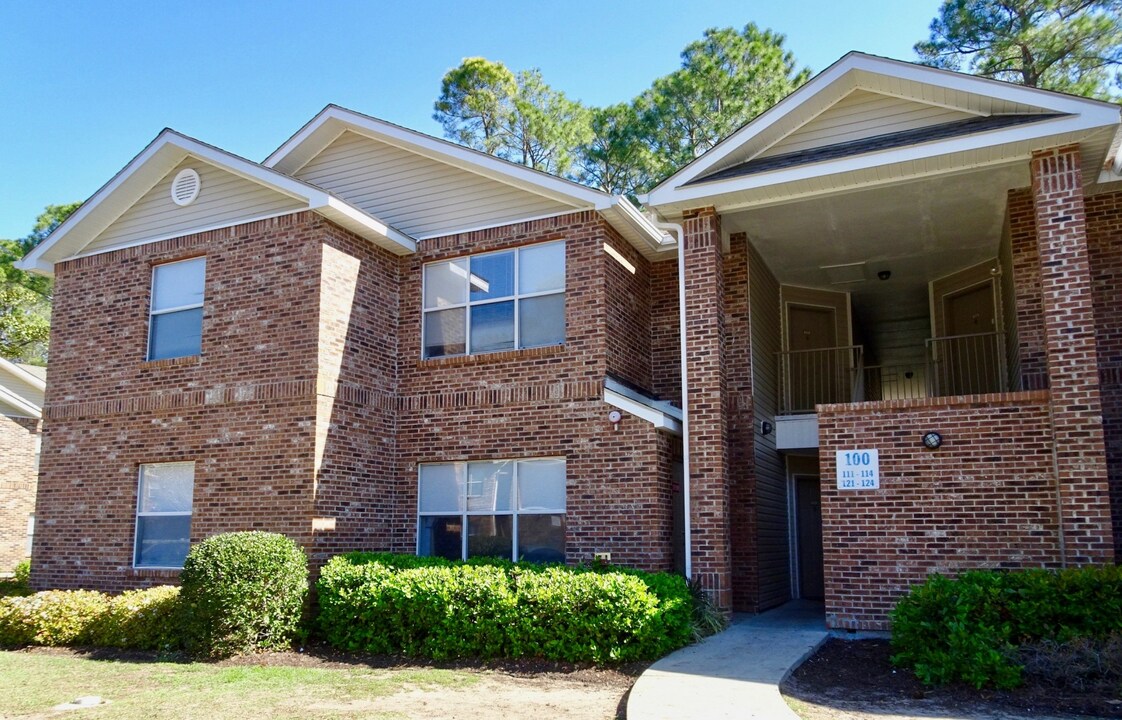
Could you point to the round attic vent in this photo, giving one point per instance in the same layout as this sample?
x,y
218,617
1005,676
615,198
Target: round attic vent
x,y
185,187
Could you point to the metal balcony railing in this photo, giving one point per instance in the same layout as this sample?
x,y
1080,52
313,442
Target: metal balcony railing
x,y
966,364
956,365
812,377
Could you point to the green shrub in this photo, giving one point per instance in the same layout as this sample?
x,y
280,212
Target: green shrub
x,y
969,629
19,583
54,617
242,592
440,609
139,619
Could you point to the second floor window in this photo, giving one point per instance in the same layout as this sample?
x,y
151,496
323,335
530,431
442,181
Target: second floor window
x,y
495,301
175,326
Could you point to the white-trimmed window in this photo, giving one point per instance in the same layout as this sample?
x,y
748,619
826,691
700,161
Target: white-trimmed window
x,y
175,324
495,301
512,509
163,514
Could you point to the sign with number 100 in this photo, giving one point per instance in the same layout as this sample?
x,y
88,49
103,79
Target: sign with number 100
x,y
858,470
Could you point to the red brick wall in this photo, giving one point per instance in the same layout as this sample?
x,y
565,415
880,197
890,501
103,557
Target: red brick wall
x,y
986,498
1026,290
708,393
1069,330
1104,242
666,358
244,410
17,486
547,401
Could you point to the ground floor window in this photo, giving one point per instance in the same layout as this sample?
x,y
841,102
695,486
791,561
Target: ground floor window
x,y
163,514
512,509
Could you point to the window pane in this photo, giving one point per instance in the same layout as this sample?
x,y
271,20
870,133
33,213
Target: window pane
x,y
442,488
441,537
492,276
166,487
491,536
541,486
541,538
177,334
492,327
446,284
541,268
178,284
162,540
444,333
542,320
490,486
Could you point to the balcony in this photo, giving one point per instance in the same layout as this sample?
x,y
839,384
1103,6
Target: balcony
x,y
956,365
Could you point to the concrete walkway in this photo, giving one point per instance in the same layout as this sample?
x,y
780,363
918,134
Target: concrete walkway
x,y
734,674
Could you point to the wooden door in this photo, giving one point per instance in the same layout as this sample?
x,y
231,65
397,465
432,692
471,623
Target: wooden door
x,y
808,523
813,373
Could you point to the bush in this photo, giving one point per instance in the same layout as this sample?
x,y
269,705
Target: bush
x,y
440,609
969,629
241,593
20,582
139,619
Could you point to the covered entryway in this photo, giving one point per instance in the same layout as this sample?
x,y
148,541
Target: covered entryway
x,y
808,537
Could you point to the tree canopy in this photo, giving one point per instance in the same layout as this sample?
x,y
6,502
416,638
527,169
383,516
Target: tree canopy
x,y
726,79
25,299
1073,46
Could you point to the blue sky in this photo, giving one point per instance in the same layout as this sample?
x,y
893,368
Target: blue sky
x,y
84,85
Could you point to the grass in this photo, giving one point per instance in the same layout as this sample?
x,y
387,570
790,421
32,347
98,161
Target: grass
x,y
34,683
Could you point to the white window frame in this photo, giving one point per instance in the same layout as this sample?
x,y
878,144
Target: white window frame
x,y
468,304
152,313
140,514
465,513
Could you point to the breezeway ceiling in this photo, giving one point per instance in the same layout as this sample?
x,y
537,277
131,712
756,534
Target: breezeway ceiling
x,y
920,231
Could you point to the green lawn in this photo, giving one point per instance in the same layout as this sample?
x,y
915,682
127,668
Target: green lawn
x,y
34,683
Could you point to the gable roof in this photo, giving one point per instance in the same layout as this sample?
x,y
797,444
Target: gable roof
x,y
21,390
988,120
468,189
153,164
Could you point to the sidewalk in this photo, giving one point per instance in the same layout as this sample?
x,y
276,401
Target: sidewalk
x,y
734,674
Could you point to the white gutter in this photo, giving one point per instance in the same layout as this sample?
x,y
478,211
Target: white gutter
x,y
681,235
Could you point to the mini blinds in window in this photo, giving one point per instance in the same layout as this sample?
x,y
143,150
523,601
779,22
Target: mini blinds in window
x,y
176,319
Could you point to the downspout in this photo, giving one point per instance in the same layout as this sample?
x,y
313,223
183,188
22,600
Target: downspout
x,y
677,230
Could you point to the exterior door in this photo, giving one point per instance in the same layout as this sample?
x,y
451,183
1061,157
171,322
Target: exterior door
x,y
808,521
969,355
814,370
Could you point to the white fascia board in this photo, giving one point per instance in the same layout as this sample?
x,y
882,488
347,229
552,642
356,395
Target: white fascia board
x,y
1023,133
367,225
30,410
659,419
333,118
15,370
1096,112
620,210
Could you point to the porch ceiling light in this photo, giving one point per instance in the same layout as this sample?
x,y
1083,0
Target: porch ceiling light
x,y
932,440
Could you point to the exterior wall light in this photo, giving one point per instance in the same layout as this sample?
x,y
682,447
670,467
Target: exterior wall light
x,y
766,428
932,440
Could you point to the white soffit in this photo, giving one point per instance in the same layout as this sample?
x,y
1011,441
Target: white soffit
x,y
542,195
21,392
161,157
1076,119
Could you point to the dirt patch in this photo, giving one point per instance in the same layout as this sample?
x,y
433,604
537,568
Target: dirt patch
x,y
855,680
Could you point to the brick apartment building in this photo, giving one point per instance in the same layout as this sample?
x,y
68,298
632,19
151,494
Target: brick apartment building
x,y
21,409
375,339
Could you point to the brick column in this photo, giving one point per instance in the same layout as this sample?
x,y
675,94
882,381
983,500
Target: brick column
x,y
1069,329
708,424
1026,290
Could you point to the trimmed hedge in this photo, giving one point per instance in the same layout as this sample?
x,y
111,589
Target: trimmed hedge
x,y
242,592
138,619
969,629
436,608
